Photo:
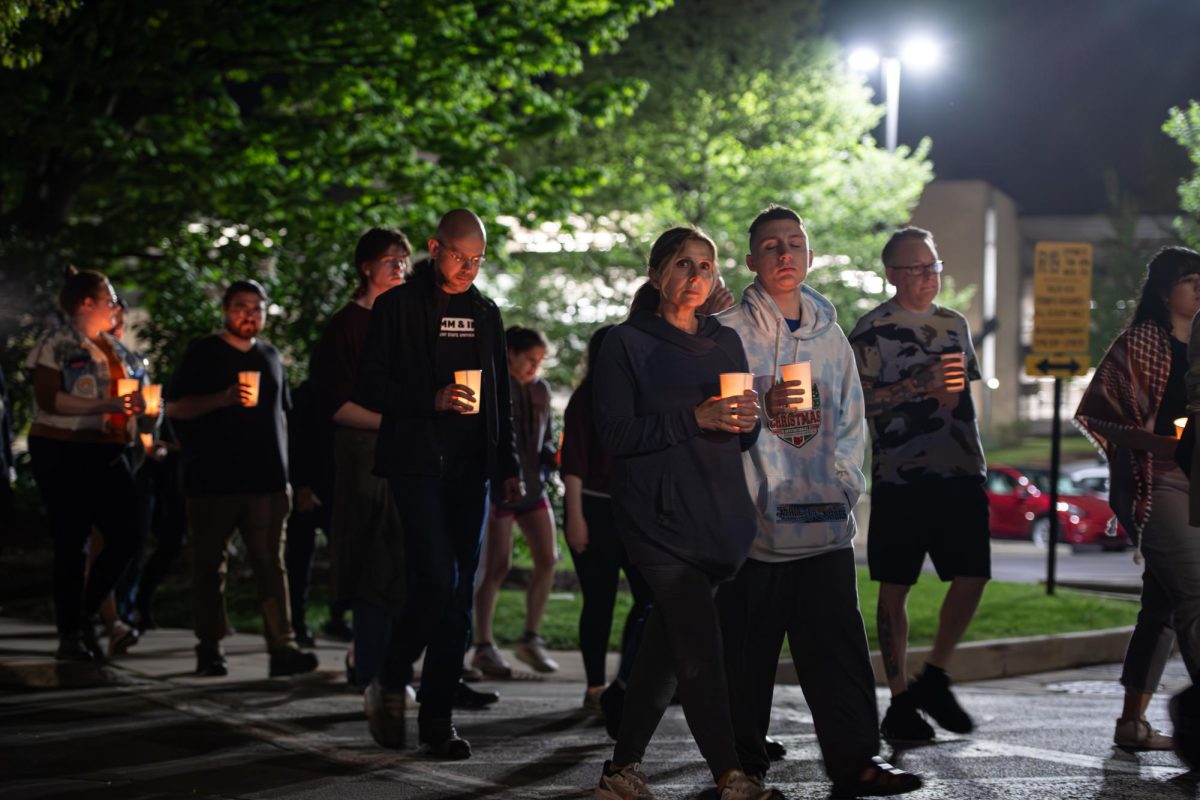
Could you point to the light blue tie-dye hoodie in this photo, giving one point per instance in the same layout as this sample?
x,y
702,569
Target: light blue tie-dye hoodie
x,y
805,471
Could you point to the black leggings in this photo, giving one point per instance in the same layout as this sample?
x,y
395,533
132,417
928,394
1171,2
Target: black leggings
x,y
681,649
599,570
85,485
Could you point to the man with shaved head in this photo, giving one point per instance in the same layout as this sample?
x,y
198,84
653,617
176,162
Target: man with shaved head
x,y
439,445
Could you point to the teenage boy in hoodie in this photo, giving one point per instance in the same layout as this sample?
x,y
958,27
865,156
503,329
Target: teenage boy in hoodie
x,y
800,578
927,475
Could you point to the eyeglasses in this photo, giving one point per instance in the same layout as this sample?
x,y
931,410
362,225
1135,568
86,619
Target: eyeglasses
x,y
459,258
917,270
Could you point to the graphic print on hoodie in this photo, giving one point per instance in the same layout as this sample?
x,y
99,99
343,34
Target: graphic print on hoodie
x,y
806,478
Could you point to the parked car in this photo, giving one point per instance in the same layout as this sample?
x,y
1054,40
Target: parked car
x,y
1090,476
1019,508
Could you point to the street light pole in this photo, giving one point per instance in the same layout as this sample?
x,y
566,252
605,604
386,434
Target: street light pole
x,y
891,99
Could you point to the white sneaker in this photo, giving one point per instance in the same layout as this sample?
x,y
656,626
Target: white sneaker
x,y
533,652
627,783
490,661
1139,734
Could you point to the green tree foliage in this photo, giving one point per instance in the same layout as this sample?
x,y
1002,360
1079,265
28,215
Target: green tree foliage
x,y
16,50
179,145
743,106
1183,125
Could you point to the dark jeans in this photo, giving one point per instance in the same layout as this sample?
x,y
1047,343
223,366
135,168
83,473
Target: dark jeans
x,y
168,521
599,570
378,643
443,528
299,550
84,485
814,601
681,649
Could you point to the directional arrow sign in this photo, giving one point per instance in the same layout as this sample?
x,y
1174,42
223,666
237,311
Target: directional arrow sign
x,y
1062,300
1058,365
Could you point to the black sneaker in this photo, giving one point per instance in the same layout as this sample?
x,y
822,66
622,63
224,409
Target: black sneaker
x,y
931,691
72,648
471,699
210,662
903,722
87,635
304,636
290,661
440,740
775,749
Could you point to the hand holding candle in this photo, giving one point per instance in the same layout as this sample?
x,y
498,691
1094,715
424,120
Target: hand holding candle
x,y
131,399
463,395
248,381
954,371
735,410
152,394
794,392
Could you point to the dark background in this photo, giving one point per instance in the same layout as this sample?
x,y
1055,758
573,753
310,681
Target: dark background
x,y
1041,98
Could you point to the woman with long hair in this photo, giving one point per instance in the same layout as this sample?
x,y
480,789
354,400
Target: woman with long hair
x,y
1129,411
596,546
683,510
81,430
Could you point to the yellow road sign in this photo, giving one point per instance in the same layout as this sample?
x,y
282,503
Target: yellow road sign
x,y
1062,301
1056,365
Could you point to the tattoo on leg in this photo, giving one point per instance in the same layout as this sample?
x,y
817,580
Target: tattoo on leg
x,y
887,644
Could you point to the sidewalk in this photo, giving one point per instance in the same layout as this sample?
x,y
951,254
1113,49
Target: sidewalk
x,y
150,729
27,658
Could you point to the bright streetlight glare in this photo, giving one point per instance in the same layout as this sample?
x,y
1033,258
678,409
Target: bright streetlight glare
x,y
921,53
863,59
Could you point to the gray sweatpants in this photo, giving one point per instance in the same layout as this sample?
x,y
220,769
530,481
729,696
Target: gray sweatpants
x,y
1170,586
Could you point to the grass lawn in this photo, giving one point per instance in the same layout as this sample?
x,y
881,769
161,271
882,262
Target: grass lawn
x,y
1007,610
1035,451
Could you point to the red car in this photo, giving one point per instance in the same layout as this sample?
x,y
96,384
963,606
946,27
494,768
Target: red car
x,y
1019,508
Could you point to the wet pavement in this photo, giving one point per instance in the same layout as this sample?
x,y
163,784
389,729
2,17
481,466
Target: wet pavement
x,y
155,731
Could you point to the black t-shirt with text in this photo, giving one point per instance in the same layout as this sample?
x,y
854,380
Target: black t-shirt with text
x,y
460,436
233,450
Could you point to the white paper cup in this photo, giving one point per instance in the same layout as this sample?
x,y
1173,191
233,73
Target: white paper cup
x,y
733,384
127,386
147,441
1180,424
250,379
152,394
959,360
800,371
472,379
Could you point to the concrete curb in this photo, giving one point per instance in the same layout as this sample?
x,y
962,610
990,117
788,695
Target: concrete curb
x,y
1005,658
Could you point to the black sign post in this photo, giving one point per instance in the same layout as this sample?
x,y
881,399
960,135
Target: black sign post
x,y
1055,455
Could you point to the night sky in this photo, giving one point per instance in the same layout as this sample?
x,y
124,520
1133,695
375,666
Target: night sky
x,y
1040,98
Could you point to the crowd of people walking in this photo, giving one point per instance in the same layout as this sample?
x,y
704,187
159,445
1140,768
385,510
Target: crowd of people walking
x,y
712,453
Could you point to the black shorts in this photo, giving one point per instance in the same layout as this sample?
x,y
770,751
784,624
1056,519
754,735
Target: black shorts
x,y
948,519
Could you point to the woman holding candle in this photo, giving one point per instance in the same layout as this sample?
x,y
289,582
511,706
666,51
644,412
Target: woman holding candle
x,y
1129,411
78,441
532,423
683,511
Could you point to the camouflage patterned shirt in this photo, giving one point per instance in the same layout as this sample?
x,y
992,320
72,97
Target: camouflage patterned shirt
x,y
921,438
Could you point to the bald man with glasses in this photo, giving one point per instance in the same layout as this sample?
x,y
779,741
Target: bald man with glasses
x,y
439,444
927,468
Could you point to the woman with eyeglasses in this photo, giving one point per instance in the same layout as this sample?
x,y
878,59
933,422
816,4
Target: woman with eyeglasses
x,y
81,429
683,510
1129,411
